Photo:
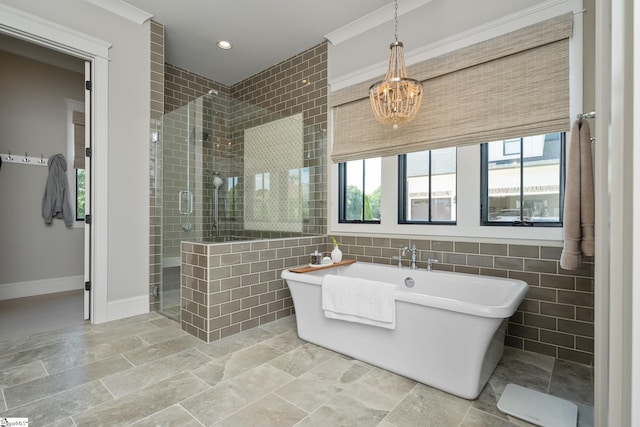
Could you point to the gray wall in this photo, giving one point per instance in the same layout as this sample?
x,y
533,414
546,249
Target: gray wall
x,y
33,116
124,268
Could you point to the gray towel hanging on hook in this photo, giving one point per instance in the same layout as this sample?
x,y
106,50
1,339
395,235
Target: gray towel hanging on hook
x,y
55,202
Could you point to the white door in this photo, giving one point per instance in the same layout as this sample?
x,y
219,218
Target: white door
x,y
87,188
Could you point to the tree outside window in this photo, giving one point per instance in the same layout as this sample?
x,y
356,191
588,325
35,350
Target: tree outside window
x,y
360,190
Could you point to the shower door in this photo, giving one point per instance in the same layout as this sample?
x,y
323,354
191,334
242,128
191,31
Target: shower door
x,y
182,140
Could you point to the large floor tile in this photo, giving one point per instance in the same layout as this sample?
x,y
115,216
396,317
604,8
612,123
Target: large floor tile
x,y
236,363
162,349
270,411
153,372
285,341
42,387
476,418
235,342
142,403
357,406
313,389
572,381
227,397
63,361
60,406
23,357
429,407
21,374
174,415
393,385
302,359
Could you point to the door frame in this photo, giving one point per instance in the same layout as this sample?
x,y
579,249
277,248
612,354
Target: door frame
x,y
31,28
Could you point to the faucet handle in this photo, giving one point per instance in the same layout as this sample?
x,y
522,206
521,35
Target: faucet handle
x,y
399,259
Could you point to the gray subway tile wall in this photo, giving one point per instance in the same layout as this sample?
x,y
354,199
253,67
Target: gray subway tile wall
x,y
155,189
221,300
556,317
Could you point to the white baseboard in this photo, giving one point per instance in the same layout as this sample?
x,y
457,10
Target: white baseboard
x,y
127,307
40,287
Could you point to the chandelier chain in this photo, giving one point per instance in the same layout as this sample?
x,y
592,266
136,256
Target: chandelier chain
x,y
395,16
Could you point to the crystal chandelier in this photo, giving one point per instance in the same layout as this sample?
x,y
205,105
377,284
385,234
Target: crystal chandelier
x,y
397,98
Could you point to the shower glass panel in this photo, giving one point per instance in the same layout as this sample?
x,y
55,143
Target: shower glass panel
x,y
229,171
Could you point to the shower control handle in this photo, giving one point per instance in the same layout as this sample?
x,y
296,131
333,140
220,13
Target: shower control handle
x,y
187,197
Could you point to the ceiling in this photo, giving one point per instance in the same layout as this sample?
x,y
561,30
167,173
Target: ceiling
x,y
267,32
263,33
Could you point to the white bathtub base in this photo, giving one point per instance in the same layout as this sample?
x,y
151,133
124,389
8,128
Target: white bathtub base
x,y
461,365
442,341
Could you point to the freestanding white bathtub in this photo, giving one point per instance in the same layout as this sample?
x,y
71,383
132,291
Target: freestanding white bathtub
x,y
450,327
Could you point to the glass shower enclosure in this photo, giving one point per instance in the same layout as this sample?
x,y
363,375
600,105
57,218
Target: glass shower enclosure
x,y
226,170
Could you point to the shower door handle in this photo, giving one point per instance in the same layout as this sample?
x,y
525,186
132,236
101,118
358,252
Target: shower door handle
x,y
185,197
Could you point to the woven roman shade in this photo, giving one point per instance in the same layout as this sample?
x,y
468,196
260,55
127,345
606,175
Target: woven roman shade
x,y
514,85
78,140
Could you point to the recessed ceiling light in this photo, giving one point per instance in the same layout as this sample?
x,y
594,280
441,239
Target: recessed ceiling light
x,y
223,44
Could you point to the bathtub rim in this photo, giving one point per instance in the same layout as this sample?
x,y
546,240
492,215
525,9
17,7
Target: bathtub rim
x,y
406,295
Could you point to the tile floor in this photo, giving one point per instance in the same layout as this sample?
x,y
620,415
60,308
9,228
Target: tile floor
x,y
145,371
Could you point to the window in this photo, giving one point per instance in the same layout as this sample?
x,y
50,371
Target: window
x,y
522,181
427,187
76,174
80,195
359,191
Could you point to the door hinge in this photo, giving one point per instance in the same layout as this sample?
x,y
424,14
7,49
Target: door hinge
x,y
87,85
87,286
87,219
88,152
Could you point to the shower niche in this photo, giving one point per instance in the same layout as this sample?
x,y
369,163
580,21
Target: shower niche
x,y
226,171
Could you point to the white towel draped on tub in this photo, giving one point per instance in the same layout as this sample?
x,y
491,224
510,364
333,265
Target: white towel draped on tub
x,y
359,300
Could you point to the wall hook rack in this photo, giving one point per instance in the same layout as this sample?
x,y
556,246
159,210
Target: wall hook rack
x,y
26,160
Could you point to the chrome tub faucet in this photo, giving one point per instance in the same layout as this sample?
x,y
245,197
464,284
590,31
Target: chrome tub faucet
x,y
413,251
430,262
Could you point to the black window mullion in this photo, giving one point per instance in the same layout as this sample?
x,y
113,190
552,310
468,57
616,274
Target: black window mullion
x,y
521,179
364,191
342,192
402,188
429,189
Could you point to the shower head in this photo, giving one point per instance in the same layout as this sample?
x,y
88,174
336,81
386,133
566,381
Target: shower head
x,y
217,181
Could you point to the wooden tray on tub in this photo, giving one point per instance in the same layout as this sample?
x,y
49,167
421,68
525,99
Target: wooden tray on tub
x,y
308,268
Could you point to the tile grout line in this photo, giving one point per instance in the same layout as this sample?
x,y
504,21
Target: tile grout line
x,y
399,402
187,411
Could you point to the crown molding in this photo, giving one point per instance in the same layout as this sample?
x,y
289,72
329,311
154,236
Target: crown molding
x,y
123,9
372,20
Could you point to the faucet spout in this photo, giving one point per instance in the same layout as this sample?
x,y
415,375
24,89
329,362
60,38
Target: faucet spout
x,y
414,256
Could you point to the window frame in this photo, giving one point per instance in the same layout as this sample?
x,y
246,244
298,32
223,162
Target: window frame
x,y
77,193
73,105
403,196
484,189
342,196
